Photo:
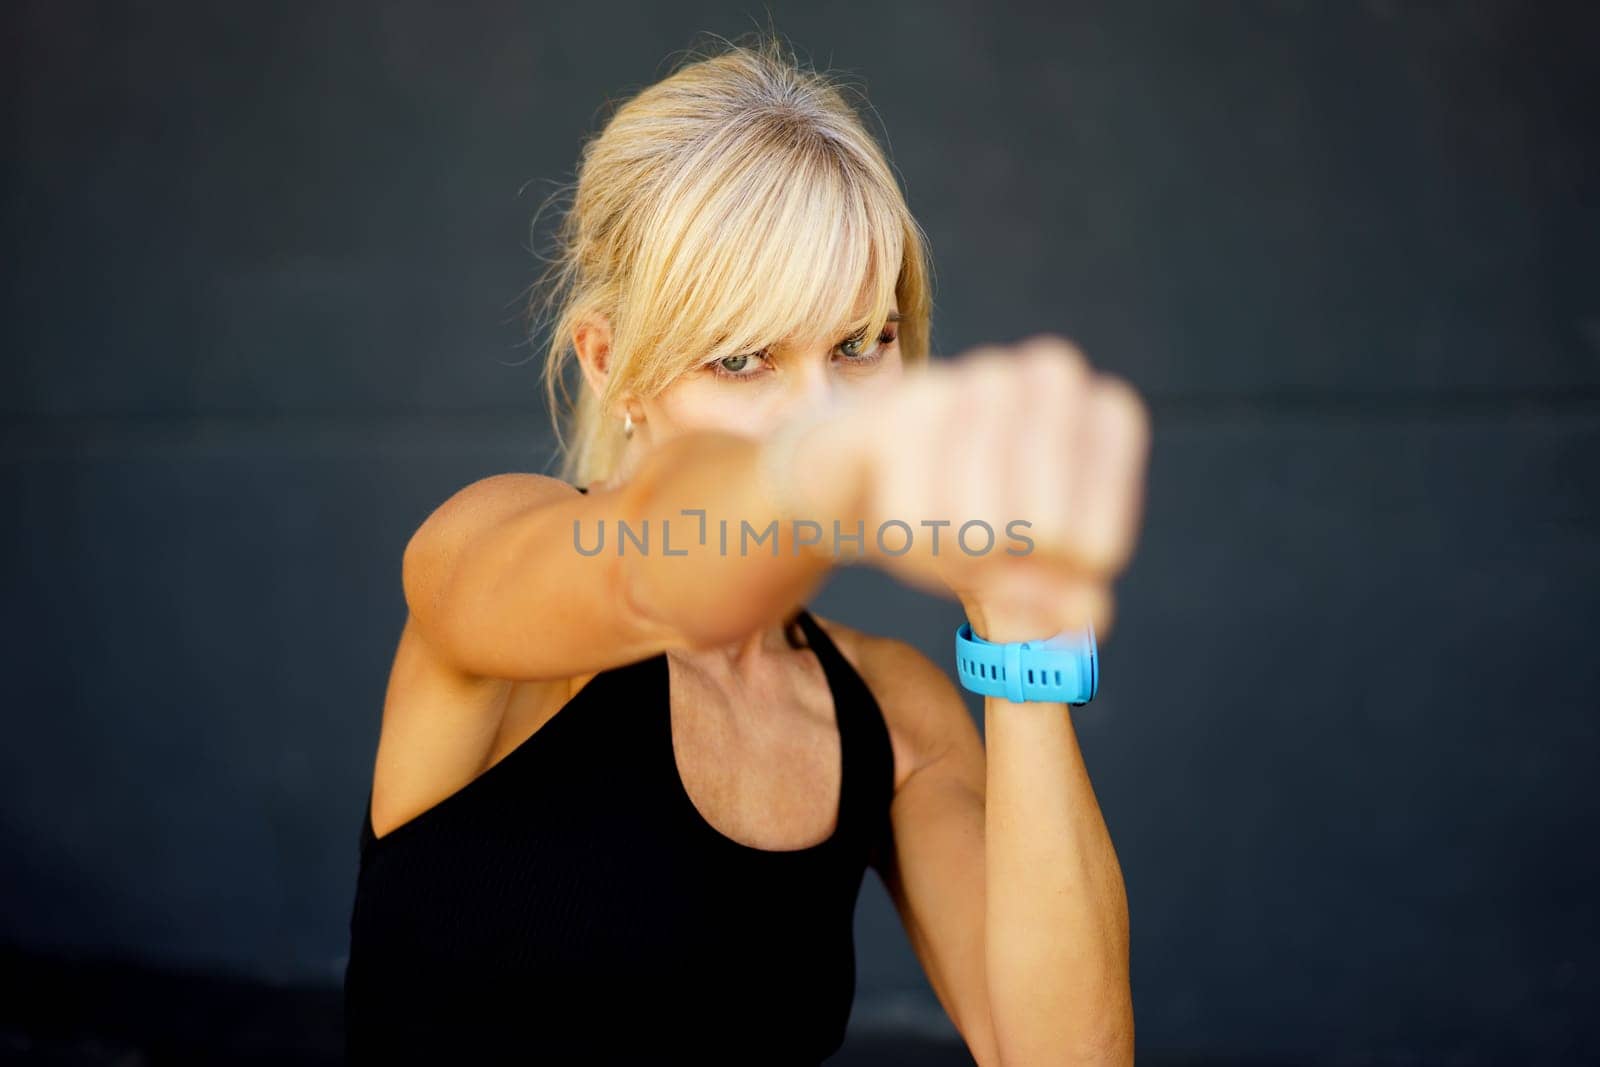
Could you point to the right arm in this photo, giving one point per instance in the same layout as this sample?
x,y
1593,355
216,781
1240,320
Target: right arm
x,y
495,582
498,593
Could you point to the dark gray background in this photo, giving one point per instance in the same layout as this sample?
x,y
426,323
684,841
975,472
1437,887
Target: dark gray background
x,y
263,271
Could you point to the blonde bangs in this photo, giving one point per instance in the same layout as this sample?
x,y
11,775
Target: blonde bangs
x,y
796,247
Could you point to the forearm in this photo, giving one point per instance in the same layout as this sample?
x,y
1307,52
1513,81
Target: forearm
x,y
735,559
1056,907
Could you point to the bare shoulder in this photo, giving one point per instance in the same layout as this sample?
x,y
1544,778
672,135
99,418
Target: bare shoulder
x,y
498,493
441,722
922,707
467,512
479,504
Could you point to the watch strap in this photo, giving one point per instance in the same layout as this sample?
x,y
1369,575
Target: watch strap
x,y
1063,668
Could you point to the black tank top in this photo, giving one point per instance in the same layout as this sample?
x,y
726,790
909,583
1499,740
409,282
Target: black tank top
x,y
571,905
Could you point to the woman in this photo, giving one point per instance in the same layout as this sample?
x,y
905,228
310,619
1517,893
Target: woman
x,y
624,798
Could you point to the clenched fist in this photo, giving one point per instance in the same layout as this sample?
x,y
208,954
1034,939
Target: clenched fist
x,y
1011,477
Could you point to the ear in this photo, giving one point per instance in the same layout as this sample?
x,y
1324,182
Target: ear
x,y
591,339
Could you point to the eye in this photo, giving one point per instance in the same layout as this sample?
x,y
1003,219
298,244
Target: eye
x,y
735,366
853,347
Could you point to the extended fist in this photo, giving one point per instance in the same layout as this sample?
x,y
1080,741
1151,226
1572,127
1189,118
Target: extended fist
x,y
1011,476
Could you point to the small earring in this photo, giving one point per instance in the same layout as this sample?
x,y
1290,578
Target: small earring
x,y
627,424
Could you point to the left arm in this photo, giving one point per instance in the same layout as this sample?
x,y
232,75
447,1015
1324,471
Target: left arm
x,y
992,852
1057,910
1004,869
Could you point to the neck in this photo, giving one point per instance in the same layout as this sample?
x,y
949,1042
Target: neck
x,y
633,452
749,657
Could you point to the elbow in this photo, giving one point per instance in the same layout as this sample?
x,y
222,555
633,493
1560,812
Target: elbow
x,y
1095,1034
687,599
1111,1052
691,629
1118,1053
1111,1045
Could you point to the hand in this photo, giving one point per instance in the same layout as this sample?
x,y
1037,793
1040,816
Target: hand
x,y
1026,438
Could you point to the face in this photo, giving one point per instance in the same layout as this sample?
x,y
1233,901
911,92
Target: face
x,y
753,393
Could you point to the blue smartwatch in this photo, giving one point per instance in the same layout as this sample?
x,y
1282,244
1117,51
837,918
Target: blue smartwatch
x,y
1062,669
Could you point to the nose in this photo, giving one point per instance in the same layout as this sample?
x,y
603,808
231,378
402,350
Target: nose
x,y
815,387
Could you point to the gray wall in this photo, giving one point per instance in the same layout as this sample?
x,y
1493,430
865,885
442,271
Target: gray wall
x,y
262,281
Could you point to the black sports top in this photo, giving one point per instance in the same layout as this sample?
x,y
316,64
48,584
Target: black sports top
x,y
571,905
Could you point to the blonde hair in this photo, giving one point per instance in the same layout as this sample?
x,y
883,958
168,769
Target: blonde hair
x,y
738,202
